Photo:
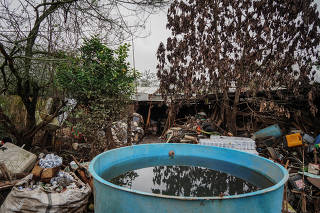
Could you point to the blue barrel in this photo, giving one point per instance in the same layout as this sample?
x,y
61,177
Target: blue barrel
x,y
116,199
273,131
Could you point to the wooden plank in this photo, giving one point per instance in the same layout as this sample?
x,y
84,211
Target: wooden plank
x,y
7,184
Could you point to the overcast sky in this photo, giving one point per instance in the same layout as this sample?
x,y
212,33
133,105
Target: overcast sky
x,y
145,49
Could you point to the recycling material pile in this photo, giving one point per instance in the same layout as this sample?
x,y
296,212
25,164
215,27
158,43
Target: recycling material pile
x,y
62,181
298,152
50,161
120,130
190,130
49,175
68,186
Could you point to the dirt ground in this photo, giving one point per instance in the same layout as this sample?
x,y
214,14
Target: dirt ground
x,y
151,139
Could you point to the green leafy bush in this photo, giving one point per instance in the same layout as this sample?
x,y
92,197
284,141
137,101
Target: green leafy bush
x,y
102,82
98,72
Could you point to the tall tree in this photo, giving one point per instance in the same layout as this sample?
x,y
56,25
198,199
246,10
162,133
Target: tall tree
x,y
248,45
102,82
33,32
148,79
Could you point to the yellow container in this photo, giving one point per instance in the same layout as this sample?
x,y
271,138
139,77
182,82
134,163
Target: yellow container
x,y
294,140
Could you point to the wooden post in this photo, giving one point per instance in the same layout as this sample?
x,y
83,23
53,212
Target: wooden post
x,y
169,119
285,202
303,194
148,117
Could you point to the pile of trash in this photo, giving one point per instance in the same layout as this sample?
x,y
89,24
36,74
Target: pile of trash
x,y
49,161
137,132
119,130
191,130
49,188
298,153
62,181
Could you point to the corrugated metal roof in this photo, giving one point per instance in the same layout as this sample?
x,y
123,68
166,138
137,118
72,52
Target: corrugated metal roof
x,y
147,94
147,90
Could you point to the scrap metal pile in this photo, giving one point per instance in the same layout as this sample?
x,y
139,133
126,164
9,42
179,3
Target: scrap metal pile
x,y
190,130
299,153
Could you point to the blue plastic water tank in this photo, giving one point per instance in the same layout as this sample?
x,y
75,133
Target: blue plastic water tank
x,y
115,199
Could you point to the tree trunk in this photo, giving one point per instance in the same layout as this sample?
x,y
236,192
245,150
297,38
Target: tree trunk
x,y
26,141
233,120
31,120
110,141
225,110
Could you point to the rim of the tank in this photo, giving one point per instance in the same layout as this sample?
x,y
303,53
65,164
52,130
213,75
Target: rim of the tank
x,y
259,192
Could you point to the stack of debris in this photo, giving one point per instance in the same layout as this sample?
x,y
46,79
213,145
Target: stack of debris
x,y
50,187
298,152
137,131
120,130
191,130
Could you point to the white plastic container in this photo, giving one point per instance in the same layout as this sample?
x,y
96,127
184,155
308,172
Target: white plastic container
x,y
238,143
16,159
